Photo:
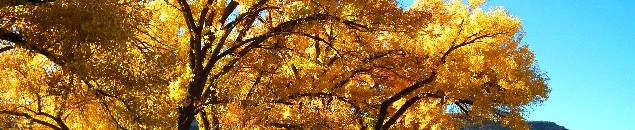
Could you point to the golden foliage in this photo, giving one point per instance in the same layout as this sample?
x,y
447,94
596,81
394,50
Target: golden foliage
x,y
261,64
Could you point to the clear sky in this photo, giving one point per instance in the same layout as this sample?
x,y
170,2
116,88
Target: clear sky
x,y
587,48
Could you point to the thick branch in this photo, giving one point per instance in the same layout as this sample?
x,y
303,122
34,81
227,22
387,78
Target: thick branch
x,y
24,2
40,113
189,21
206,124
400,112
282,28
405,107
286,126
384,105
12,37
20,42
187,13
202,17
228,10
248,18
6,48
25,115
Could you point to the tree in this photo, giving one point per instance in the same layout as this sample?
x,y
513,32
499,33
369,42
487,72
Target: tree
x,y
345,64
80,62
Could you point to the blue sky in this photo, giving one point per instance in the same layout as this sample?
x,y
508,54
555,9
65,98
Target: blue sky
x,y
587,48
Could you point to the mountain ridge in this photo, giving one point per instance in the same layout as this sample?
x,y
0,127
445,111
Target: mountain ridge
x,y
534,125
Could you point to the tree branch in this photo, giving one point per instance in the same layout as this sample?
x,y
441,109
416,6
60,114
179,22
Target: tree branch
x,y
206,124
228,10
403,109
286,126
384,106
24,2
6,48
191,27
330,45
463,108
400,112
25,115
12,37
202,17
187,13
112,117
254,86
20,42
467,43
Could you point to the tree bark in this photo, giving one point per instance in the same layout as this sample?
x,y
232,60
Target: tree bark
x,y
186,116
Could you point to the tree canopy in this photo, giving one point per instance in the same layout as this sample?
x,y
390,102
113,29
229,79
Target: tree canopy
x,y
263,64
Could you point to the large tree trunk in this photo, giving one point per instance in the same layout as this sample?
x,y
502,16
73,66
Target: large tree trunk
x,y
195,89
186,116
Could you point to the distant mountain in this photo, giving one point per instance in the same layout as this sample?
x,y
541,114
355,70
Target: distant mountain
x,y
535,125
545,125
487,125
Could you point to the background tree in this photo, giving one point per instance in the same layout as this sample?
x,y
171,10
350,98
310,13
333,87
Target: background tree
x,y
343,64
89,64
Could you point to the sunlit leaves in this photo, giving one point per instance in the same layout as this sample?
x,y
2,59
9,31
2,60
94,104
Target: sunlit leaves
x,y
139,64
